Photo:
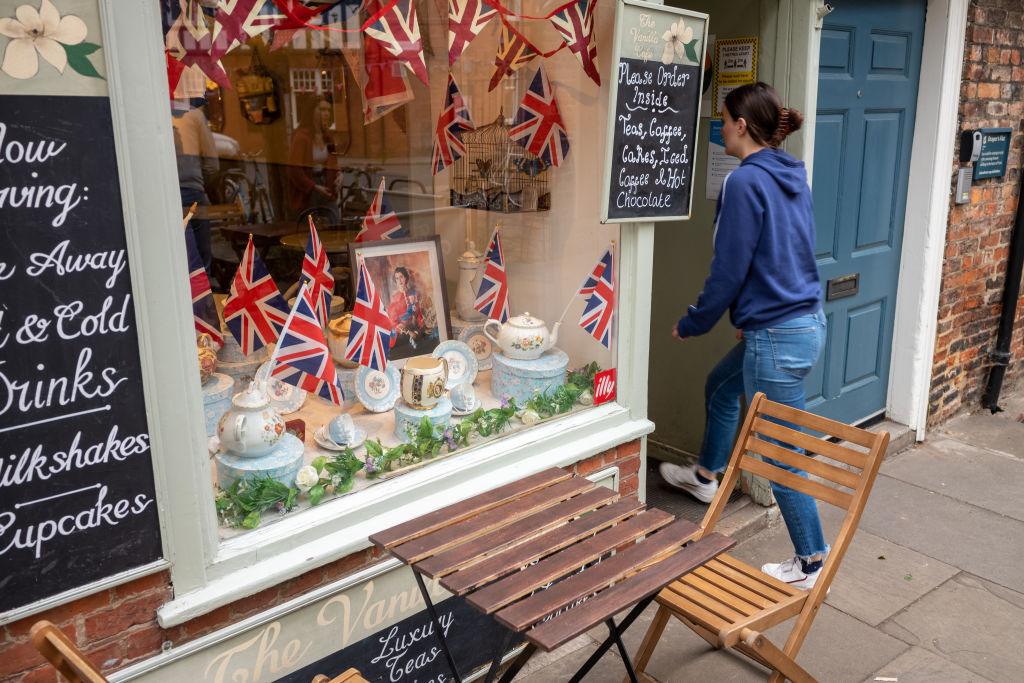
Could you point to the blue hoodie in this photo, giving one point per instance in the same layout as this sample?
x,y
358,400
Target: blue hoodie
x,y
763,270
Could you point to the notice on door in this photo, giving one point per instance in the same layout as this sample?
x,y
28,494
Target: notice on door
x,y
735,65
653,112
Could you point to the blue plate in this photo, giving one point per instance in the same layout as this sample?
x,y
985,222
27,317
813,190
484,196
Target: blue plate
x,y
378,390
462,363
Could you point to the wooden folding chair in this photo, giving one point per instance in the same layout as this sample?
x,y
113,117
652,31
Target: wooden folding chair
x,y
349,676
729,603
62,654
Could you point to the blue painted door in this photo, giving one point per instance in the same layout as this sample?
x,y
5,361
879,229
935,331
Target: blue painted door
x,y
867,93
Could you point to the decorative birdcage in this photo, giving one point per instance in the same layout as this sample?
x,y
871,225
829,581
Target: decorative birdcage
x,y
496,174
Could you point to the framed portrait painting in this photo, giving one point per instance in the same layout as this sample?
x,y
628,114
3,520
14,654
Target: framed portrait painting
x,y
409,274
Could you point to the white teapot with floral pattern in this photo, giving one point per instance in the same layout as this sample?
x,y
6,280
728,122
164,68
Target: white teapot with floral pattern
x,y
522,337
251,427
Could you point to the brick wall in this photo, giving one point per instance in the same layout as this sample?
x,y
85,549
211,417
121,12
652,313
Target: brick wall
x,y
978,237
118,627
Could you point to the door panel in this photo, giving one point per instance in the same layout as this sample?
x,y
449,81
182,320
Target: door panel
x,y
867,93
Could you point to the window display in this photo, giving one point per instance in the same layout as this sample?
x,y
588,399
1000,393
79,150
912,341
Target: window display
x,y
360,330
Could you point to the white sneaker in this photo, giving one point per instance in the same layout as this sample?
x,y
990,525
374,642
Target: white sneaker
x,y
792,572
685,479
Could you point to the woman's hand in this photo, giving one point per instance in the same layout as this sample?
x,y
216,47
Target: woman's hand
x,y
675,332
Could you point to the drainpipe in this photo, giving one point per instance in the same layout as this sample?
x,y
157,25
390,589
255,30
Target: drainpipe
x,y
1001,355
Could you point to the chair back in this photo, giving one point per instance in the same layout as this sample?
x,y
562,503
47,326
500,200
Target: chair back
x,y
58,649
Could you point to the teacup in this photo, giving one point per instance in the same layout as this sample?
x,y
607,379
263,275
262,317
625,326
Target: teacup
x,y
342,430
423,380
463,397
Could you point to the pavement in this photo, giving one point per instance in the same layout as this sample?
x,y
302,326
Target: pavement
x,y
931,589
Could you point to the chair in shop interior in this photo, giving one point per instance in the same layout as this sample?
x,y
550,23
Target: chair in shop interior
x,y
730,603
58,649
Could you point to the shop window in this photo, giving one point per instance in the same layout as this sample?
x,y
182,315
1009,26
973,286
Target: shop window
x,y
323,124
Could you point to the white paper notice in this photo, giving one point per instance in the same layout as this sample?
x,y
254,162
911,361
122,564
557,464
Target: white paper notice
x,y
720,164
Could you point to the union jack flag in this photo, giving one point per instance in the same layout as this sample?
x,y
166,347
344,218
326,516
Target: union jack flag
x,y
597,314
302,358
316,272
189,41
492,299
254,311
380,222
204,309
369,337
453,120
575,23
466,18
538,126
514,52
396,28
239,20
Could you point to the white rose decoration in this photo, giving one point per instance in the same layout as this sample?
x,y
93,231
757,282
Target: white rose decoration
x,y
530,417
675,38
586,398
307,478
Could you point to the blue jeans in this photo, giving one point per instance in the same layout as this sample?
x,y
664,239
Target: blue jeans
x,y
775,361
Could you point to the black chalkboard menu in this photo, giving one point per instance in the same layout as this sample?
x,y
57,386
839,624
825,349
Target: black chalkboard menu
x,y
653,112
77,500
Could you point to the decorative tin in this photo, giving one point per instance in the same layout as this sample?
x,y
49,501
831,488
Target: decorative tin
x,y
407,417
520,379
282,464
347,380
216,399
231,352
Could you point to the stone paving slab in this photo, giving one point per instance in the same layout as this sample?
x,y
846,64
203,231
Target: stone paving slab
x,y
918,665
999,432
984,478
970,624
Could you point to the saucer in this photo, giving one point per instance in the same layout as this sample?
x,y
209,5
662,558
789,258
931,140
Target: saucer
x,y
462,362
325,442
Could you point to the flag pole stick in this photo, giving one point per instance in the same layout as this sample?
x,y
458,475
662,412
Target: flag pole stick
x,y
188,216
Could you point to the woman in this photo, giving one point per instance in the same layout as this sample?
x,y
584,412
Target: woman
x,y
411,312
312,166
764,273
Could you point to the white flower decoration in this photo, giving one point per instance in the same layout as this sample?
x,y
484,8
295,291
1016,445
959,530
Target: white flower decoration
x,y
43,31
675,38
530,417
307,478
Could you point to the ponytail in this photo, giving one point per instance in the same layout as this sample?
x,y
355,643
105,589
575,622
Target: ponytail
x,y
768,122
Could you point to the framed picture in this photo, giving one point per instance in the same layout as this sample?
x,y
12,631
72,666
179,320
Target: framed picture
x,y
409,274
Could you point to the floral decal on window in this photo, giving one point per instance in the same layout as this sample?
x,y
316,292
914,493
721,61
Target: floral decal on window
x,y
45,33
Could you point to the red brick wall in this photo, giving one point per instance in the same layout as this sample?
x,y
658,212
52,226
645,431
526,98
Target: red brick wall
x,y
117,627
978,237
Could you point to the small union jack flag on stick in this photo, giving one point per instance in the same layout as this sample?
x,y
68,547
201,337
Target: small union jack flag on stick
x,y
575,23
316,272
514,52
538,125
369,337
454,119
254,311
597,314
302,358
466,18
204,309
492,299
380,222
396,28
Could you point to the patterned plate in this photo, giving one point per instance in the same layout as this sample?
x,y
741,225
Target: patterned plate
x,y
462,363
378,390
474,337
284,398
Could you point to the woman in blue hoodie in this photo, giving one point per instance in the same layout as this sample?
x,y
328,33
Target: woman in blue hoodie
x,y
764,273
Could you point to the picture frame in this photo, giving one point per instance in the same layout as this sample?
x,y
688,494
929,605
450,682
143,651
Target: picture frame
x,y
399,267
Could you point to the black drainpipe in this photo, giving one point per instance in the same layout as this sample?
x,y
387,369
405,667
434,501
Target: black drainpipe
x,y
1001,355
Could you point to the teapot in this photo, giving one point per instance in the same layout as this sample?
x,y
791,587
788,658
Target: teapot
x,y
250,428
522,337
423,380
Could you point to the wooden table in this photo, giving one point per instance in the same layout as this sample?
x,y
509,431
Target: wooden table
x,y
550,557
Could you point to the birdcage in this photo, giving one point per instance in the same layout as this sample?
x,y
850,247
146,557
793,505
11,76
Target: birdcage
x,y
496,174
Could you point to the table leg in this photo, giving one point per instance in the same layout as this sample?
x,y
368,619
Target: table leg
x,y
496,661
437,625
615,638
518,663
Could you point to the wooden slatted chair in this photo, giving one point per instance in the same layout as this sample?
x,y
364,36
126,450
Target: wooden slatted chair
x,y
349,676
729,603
58,649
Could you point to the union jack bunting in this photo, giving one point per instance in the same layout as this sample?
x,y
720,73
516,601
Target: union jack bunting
x,y
297,16
538,126
514,52
380,222
190,42
316,272
492,299
396,29
302,358
254,311
466,18
454,119
575,23
369,337
597,314
204,310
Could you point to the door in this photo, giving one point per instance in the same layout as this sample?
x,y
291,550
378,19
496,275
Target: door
x,y
867,92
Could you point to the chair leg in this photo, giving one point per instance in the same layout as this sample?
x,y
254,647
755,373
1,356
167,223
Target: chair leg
x,y
782,663
651,638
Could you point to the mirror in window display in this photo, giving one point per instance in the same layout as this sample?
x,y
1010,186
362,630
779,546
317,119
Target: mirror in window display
x,y
406,158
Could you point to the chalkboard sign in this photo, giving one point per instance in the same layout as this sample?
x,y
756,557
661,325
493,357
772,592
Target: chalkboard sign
x,y
77,501
653,112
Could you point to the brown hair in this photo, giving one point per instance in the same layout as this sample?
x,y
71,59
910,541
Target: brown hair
x,y
768,122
